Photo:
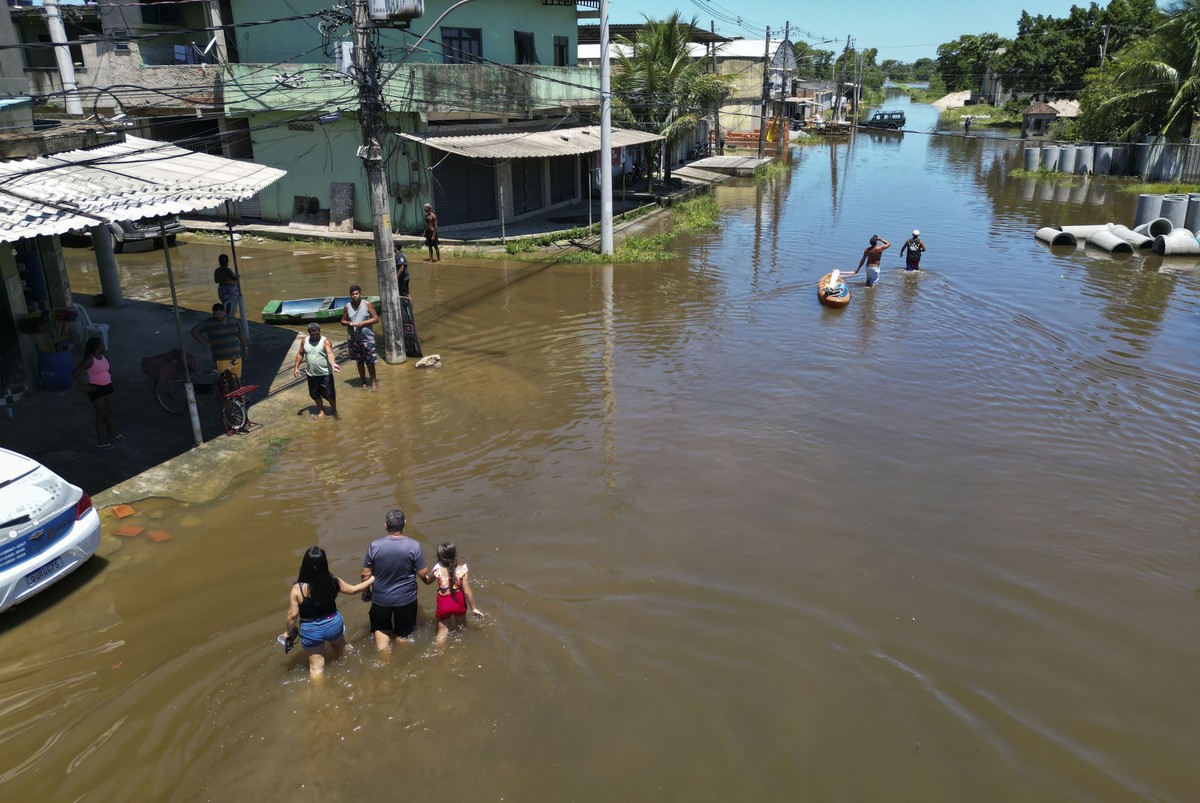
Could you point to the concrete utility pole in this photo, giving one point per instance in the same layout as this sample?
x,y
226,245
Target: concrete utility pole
x,y
62,54
841,87
1104,47
766,97
606,196
370,112
780,131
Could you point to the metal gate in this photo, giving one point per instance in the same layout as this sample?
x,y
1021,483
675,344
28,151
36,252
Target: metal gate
x,y
527,185
464,190
562,179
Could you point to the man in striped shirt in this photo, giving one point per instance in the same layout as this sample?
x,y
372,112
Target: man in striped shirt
x,y
223,337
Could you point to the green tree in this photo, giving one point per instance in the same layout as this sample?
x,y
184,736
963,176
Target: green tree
x,y
658,86
963,62
1157,80
1051,55
813,63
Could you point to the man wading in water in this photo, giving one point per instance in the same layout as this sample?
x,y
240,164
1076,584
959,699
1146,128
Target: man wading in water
x,y
316,352
872,255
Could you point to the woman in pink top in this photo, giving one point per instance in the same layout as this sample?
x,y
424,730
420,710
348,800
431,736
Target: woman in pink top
x,y
94,367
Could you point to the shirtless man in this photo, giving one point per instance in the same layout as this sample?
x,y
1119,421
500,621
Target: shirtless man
x,y
872,255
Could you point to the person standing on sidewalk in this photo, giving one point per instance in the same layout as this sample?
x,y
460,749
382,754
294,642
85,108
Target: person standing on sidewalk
x,y
223,337
358,316
316,352
395,561
431,234
98,372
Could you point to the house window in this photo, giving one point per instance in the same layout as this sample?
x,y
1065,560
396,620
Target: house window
x,y
525,52
462,45
170,14
560,51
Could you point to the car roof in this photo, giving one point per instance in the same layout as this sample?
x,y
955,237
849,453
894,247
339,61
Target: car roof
x,y
13,465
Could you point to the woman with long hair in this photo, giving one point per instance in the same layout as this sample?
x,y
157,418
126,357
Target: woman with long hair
x,y
313,609
454,595
95,369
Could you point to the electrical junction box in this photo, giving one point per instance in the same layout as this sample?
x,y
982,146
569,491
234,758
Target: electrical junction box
x,y
395,10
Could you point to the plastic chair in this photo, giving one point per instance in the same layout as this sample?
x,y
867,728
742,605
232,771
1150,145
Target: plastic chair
x,y
90,329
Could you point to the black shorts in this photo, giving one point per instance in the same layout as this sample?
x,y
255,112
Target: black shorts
x,y
322,387
399,620
97,392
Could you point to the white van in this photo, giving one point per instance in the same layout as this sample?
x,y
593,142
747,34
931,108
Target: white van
x,y
48,528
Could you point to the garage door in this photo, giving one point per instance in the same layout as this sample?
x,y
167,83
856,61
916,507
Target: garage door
x,y
464,190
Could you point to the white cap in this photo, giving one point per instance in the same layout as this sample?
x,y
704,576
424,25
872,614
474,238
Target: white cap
x,y
916,233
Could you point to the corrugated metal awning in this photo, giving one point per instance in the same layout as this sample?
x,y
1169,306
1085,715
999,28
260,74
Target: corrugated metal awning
x,y
532,144
128,180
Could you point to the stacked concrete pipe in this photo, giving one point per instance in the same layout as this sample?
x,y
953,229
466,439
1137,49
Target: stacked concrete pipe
x,y
1050,157
1066,159
1180,242
1192,218
1159,227
1138,241
1148,208
1174,209
1051,235
1105,239
1033,158
1085,156
1104,159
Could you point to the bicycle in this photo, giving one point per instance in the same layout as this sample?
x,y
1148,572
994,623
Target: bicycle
x,y
170,389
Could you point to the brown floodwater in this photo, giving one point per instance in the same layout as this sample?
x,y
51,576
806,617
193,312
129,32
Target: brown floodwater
x,y
940,545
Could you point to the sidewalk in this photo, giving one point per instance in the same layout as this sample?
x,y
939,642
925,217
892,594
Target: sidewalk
x,y
158,455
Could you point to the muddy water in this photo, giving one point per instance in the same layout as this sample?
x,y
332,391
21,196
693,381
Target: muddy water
x,y
940,545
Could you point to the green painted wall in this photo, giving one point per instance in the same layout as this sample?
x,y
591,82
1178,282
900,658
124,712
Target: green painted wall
x,y
300,41
316,156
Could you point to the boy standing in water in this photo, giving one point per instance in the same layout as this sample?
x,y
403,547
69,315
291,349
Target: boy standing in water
x,y
872,256
915,246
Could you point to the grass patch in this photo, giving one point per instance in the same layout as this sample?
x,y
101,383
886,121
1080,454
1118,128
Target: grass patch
x,y
770,170
990,116
1046,174
275,448
1161,188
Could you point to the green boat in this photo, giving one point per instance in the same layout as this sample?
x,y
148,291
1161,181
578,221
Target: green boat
x,y
307,310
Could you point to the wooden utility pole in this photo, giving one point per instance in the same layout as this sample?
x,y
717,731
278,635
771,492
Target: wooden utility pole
x,y
766,97
370,113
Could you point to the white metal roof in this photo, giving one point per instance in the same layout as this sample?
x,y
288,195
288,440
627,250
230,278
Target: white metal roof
x,y
532,144
128,180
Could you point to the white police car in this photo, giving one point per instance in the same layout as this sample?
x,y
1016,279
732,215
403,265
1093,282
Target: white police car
x,y
48,528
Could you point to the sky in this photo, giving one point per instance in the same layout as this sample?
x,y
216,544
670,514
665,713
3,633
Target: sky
x,y
905,30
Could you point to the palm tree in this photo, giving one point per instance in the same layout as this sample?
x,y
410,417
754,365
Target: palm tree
x,y
658,86
1159,83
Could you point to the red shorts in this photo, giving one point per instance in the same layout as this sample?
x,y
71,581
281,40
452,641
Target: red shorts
x,y
448,606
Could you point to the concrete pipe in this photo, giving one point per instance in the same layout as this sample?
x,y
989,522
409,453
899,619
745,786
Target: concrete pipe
x,y
1159,227
1104,158
1109,242
1050,157
1191,220
1120,161
1085,159
1052,236
1138,241
1174,209
1148,208
1085,231
1033,158
1179,242
1066,159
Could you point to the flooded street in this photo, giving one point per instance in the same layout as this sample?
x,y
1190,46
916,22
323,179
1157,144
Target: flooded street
x,y
940,545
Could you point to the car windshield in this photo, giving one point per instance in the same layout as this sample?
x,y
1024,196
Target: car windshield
x,y
31,497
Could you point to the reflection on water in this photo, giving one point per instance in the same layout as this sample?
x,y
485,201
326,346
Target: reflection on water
x,y
727,540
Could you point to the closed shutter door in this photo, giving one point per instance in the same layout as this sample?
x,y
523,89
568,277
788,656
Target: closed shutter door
x,y
562,179
464,190
527,185
250,207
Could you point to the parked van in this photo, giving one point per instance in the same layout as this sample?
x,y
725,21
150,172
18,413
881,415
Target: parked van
x,y
889,119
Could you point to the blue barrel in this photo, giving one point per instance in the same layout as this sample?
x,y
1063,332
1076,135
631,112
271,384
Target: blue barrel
x,y
55,369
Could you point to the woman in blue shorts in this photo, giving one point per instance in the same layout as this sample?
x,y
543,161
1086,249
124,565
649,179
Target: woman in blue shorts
x,y
313,608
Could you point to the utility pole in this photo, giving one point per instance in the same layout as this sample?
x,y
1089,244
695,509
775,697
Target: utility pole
x,y
841,87
370,113
62,54
1104,47
780,131
606,196
766,96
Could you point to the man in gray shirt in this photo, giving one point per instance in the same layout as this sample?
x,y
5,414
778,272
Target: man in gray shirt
x,y
395,561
